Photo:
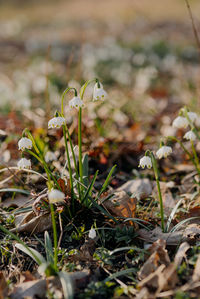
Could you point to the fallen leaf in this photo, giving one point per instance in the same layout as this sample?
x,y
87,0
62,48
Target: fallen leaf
x,y
121,205
30,223
3,286
190,234
140,188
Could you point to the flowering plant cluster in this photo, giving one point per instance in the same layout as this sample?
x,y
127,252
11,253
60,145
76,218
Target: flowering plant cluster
x,y
79,192
186,118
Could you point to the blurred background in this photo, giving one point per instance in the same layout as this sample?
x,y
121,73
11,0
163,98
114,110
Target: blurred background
x,y
143,51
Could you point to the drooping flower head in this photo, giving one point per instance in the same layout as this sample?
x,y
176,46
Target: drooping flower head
x,y
24,143
24,163
76,102
56,122
50,156
99,93
190,135
56,196
192,116
145,162
92,233
180,122
164,151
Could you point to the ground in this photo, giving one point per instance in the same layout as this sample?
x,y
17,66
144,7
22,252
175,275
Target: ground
x,y
147,58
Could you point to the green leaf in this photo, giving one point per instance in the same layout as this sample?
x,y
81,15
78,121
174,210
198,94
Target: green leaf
x,y
48,248
34,254
173,212
121,273
28,249
89,189
66,285
15,190
107,181
85,170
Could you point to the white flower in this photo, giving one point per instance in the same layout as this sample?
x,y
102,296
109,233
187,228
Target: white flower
x,y
56,122
24,163
180,122
99,93
145,162
164,151
50,156
56,196
192,116
76,102
92,233
190,135
24,143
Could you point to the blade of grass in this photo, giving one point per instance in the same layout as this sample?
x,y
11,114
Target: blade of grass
x,y
15,190
173,212
107,181
30,250
66,285
48,248
121,273
89,189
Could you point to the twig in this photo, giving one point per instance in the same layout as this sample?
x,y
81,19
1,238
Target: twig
x,y
193,25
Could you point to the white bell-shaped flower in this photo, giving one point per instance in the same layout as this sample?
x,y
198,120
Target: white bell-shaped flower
x,y
56,196
145,162
164,151
56,122
24,143
180,122
24,163
50,156
192,116
76,102
190,135
92,233
99,93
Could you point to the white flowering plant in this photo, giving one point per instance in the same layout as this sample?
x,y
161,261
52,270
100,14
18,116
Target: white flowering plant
x,y
187,119
80,189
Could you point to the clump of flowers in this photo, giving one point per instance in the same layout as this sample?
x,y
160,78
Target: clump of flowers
x,y
182,121
78,190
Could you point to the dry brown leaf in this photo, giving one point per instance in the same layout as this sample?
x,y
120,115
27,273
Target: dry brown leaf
x,y
121,205
30,223
3,286
181,253
159,256
190,234
140,188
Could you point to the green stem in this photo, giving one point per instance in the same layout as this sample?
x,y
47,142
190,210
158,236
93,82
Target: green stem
x,y
48,172
69,166
156,173
63,96
80,130
186,151
80,145
195,157
54,236
191,123
74,159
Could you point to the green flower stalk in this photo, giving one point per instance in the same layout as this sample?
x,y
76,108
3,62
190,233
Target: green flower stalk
x,y
149,161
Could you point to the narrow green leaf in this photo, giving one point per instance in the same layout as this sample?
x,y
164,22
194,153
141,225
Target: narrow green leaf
x,y
173,212
89,189
66,285
30,250
107,181
34,254
15,190
48,248
121,273
85,170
